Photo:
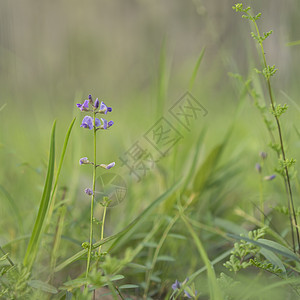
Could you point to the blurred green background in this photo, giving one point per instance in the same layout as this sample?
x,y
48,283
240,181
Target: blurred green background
x,y
138,57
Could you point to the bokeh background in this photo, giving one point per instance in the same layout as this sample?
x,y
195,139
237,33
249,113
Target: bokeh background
x,y
138,57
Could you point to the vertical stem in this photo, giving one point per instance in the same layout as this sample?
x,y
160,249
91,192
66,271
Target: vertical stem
x,y
102,226
92,201
261,200
292,213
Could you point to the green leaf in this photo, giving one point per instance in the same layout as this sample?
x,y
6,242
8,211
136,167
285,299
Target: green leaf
x,y
116,277
137,266
192,80
275,247
214,290
43,286
269,245
150,244
75,283
128,286
177,236
273,259
51,205
165,258
33,244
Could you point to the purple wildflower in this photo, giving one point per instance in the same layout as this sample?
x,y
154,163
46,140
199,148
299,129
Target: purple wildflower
x,y
176,285
96,104
88,191
109,166
271,177
84,106
91,99
106,124
88,121
84,160
258,168
104,109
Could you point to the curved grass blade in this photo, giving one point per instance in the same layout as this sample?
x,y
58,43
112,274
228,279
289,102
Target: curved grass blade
x,y
52,203
33,244
192,80
122,235
215,292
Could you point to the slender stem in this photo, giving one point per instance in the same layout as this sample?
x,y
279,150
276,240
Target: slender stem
x,y
292,213
261,199
92,201
102,226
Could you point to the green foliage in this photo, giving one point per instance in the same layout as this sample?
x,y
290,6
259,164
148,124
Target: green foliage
x,y
269,71
279,110
14,283
41,218
244,251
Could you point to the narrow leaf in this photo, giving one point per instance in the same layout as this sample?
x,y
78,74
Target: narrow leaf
x,y
33,245
42,286
192,80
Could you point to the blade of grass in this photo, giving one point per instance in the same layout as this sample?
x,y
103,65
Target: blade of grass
x,y
52,202
194,75
33,244
214,290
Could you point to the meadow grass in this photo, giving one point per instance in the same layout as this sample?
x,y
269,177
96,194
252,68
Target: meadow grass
x,y
204,223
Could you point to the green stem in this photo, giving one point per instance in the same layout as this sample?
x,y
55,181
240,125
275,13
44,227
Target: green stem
x,y
102,226
261,199
92,200
292,213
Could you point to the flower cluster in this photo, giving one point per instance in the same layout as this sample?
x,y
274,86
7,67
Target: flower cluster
x,y
97,108
91,122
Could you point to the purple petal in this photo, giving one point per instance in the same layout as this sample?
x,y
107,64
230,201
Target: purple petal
x,y
103,108
88,191
79,105
269,177
97,122
86,103
104,126
109,109
110,123
109,166
176,285
96,104
87,122
83,160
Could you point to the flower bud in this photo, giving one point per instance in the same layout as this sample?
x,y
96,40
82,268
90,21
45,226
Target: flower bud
x,y
263,155
258,168
84,160
271,177
88,191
